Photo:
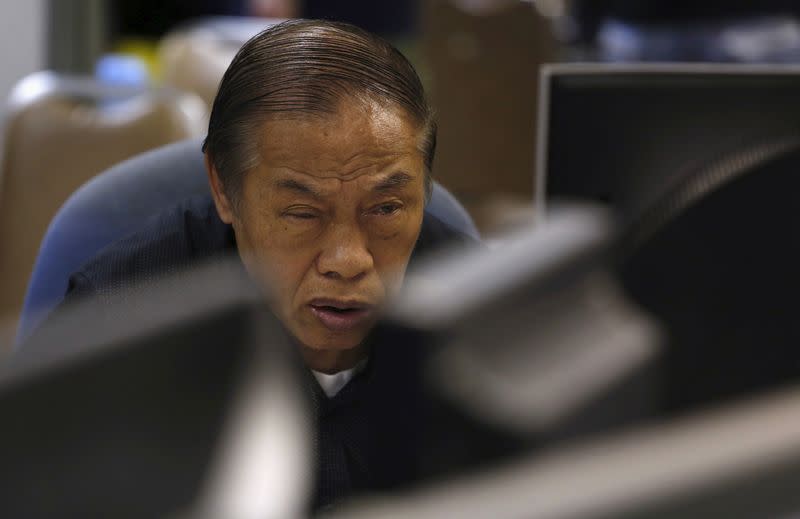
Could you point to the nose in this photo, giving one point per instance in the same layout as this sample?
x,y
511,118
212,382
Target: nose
x,y
345,254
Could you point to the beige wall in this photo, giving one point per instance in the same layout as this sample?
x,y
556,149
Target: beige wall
x,y
22,40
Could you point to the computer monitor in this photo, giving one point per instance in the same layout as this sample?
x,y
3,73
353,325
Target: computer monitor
x,y
623,134
700,161
532,344
541,342
537,343
144,407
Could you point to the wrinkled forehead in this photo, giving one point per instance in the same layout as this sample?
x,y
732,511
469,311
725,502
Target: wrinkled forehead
x,y
357,138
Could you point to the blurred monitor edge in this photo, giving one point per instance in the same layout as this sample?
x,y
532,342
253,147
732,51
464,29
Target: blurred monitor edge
x,y
737,462
123,409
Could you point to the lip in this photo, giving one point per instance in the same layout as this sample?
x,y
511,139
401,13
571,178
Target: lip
x,y
355,314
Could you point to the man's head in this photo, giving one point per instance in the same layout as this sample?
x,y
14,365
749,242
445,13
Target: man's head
x,y
319,153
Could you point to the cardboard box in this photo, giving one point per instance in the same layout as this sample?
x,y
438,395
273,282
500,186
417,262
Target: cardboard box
x,y
484,72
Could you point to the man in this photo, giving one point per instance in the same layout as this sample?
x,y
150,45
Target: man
x,y
319,154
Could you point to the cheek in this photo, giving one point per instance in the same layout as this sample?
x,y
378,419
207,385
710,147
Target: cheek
x,y
391,254
278,261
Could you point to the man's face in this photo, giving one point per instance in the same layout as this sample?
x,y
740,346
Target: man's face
x,y
330,218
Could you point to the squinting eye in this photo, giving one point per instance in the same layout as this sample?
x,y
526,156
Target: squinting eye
x,y
302,216
386,209
300,213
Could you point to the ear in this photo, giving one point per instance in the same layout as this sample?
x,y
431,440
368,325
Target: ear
x,y
221,200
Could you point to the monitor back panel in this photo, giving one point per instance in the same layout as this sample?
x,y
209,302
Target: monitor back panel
x,y
624,134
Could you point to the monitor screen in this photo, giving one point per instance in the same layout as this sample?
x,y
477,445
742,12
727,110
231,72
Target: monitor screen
x,y
623,134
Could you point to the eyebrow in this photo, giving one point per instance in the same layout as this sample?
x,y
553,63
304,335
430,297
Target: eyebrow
x,y
395,181
298,187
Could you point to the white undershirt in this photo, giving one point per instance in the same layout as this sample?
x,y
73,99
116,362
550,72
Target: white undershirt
x,y
332,384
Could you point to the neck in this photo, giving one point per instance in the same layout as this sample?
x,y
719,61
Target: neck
x,y
327,361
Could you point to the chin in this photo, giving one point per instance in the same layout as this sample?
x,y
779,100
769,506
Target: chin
x,y
327,341
338,343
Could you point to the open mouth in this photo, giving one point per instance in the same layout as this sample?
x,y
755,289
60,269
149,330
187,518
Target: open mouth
x,y
341,316
336,310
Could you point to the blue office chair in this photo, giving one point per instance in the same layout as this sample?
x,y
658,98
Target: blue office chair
x,y
117,201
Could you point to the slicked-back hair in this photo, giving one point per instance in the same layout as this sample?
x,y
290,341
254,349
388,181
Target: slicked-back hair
x,y
306,68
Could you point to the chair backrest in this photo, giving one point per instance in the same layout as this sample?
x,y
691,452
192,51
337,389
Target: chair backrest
x,y
116,202
60,132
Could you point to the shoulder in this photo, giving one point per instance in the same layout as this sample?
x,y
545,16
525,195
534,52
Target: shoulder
x,y
186,233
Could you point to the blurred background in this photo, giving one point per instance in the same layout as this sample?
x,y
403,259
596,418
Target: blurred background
x,y
88,83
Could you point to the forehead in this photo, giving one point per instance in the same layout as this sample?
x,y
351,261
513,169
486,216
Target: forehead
x,y
360,139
